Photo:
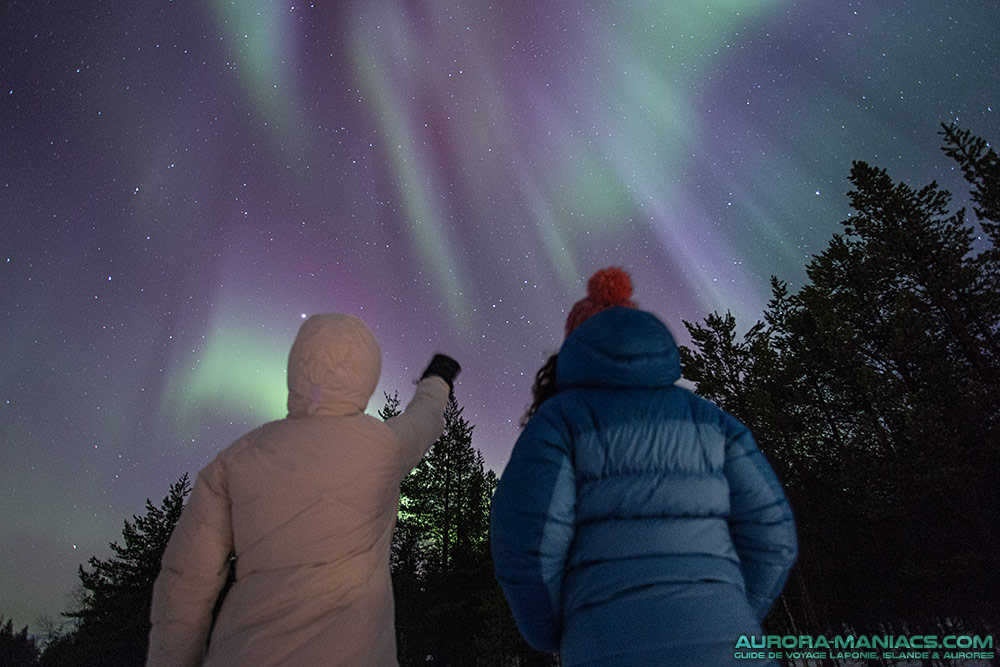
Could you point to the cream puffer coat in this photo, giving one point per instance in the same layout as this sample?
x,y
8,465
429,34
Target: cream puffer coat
x,y
308,505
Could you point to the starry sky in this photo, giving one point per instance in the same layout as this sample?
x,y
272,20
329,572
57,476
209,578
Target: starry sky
x,y
182,182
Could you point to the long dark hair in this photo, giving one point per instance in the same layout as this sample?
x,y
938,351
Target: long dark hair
x,y
544,387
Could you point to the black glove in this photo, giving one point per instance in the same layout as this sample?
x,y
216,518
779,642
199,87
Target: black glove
x,y
445,368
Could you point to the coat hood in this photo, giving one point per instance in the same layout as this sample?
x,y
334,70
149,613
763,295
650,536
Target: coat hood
x,y
333,367
619,348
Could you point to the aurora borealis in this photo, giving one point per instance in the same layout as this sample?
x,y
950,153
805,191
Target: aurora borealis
x,y
181,182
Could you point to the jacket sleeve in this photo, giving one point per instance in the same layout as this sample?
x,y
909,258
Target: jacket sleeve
x,y
421,423
761,522
532,524
193,571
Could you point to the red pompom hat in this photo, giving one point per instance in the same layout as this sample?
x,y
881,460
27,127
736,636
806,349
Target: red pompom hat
x,y
607,288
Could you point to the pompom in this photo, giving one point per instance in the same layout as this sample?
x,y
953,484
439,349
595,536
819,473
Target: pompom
x,y
610,286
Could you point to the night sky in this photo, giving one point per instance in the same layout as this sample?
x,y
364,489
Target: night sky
x,y
181,183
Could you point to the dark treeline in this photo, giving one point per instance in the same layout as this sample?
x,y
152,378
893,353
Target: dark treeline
x,y
872,389
109,625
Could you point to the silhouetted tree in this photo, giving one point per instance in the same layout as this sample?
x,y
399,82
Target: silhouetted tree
x,y
448,603
17,649
874,390
981,167
112,615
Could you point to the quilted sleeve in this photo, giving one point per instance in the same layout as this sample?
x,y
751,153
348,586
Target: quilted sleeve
x,y
532,526
193,571
761,522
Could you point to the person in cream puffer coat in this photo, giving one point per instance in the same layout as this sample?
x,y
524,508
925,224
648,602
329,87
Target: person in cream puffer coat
x,y
307,504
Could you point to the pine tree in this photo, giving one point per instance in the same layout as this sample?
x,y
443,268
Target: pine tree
x,y
448,603
112,615
879,380
722,368
17,649
895,325
433,544
981,167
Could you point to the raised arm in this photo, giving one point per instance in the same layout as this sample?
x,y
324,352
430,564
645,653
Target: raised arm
x,y
193,571
531,528
761,524
421,423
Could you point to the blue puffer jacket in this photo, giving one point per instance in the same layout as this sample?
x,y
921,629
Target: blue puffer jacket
x,y
636,523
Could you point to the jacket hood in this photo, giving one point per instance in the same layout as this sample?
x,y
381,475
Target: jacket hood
x,y
333,367
619,348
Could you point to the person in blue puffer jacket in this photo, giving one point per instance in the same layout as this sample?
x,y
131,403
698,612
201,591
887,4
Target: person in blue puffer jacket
x,y
635,523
